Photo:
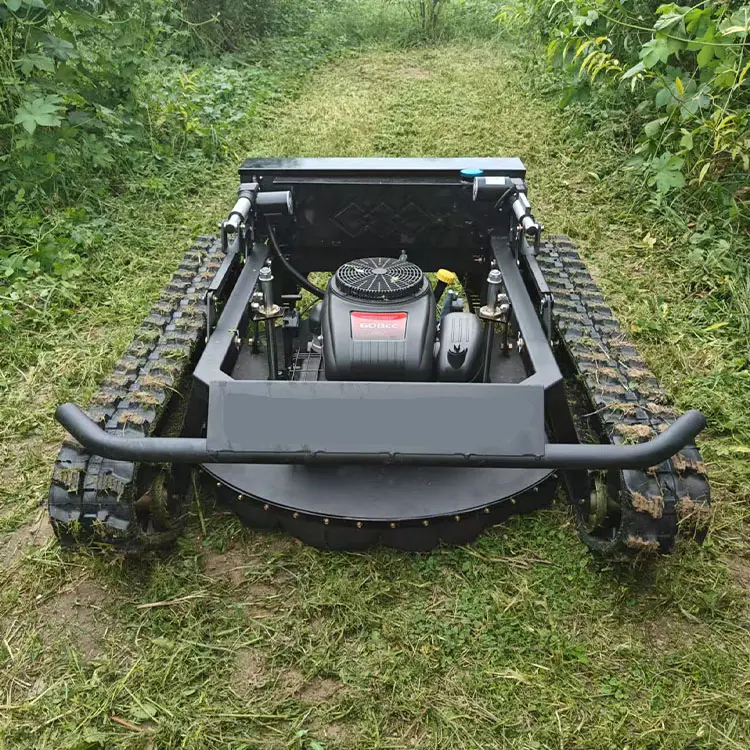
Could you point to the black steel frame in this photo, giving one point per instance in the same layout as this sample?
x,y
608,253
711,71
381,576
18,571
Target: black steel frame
x,y
486,234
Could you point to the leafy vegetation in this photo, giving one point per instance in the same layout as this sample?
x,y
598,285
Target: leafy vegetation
x,y
125,98
683,69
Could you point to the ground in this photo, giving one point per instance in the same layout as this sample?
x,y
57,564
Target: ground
x,y
240,639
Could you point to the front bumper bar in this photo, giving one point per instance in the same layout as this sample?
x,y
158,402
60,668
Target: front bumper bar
x,y
555,455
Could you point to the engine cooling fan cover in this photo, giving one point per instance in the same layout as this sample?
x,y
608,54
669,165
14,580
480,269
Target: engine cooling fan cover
x,y
379,279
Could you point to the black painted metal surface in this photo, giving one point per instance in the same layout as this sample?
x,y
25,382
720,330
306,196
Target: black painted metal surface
x,y
427,419
384,167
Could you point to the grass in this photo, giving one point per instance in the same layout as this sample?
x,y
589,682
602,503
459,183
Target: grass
x,y
251,640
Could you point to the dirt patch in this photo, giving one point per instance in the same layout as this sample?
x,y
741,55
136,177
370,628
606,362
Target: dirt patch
x,y
338,733
250,673
77,618
262,600
319,691
14,544
673,634
290,681
413,72
227,566
739,567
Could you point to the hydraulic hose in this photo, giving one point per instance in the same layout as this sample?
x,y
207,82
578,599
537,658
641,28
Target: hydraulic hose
x,y
303,280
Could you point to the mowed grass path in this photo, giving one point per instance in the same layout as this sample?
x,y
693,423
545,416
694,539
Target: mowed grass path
x,y
254,641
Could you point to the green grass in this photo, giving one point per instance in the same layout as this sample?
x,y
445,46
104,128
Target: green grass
x,y
522,640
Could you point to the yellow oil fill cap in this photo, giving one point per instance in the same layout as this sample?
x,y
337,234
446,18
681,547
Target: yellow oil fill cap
x,y
447,277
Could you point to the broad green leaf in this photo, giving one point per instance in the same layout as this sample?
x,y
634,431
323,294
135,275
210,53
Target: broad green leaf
x,y
686,141
725,78
675,45
738,23
697,101
667,173
664,97
34,60
654,51
703,171
59,48
630,72
705,55
694,16
654,127
44,110
668,21
13,5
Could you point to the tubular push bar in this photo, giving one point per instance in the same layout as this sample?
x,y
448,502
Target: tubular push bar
x,y
556,455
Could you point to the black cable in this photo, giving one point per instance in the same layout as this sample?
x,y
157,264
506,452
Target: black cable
x,y
304,282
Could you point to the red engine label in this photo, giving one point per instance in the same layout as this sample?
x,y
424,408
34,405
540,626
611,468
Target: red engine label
x,y
367,326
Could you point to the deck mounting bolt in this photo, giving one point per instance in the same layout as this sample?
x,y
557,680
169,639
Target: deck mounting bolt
x,y
458,518
240,497
326,521
295,515
359,524
425,523
393,525
485,510
265,507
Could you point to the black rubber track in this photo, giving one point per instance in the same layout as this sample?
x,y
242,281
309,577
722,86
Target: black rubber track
x,y
626,404
96,499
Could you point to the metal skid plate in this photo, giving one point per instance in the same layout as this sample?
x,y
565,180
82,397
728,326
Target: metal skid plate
x,y
426,419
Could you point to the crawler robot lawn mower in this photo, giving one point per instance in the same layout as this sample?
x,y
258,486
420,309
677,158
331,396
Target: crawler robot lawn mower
x,y
386,406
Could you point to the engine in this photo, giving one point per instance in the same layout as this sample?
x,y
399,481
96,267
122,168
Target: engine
x,y
379,322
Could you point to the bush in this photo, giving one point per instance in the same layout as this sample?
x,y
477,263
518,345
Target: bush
x,y
442,20
103,97
682,71
227,25
671,84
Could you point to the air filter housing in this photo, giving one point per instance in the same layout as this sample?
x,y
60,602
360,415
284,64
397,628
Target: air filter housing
x,y
379,322
379,279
